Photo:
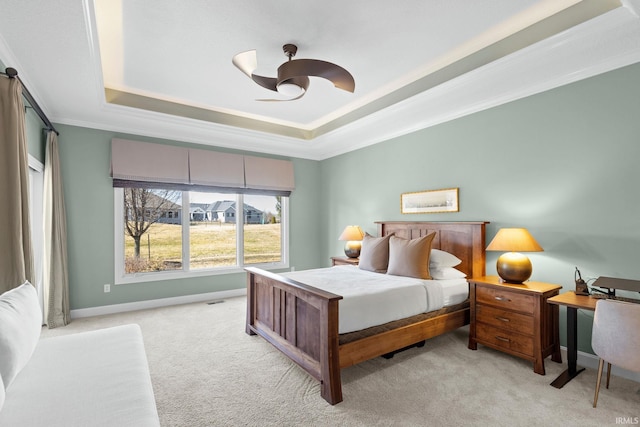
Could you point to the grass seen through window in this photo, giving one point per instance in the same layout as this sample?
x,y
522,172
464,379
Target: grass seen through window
x,y
212,244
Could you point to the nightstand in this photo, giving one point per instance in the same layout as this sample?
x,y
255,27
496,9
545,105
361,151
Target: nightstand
x,y
343,260
515,319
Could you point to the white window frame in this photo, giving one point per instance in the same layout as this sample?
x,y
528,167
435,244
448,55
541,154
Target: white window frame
x,y
121,278
36,206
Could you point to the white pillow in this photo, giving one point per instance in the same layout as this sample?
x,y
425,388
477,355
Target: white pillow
x,y
442,259
446,273
20,326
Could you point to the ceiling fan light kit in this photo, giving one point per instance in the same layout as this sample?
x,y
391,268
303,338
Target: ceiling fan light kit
x,y
290,89
293,75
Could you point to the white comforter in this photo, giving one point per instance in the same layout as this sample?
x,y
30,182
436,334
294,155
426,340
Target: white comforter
x,y
371,299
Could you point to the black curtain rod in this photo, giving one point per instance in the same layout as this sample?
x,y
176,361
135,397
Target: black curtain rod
x,y
13,73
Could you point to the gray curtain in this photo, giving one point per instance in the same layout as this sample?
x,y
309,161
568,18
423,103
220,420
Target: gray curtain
x,y
56,275
16,260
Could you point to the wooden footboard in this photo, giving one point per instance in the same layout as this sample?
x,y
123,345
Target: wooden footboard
x,y
301,321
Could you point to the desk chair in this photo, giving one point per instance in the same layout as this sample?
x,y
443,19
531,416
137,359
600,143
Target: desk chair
x,y
616,337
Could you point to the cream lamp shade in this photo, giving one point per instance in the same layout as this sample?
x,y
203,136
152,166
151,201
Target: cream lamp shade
x,y
353,234
512,266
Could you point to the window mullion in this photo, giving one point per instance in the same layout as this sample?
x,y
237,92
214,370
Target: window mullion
x,y
284,230
118,201
186,253
240,229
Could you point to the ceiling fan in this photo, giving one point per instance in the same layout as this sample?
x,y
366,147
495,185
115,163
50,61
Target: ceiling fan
x,y
293,75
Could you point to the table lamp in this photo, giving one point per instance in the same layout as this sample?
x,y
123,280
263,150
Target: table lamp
x,y
512,266
353,235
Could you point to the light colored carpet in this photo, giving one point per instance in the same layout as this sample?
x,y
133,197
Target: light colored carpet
x,y
207,372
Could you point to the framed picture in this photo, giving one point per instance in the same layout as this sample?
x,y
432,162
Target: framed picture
x,y
430,201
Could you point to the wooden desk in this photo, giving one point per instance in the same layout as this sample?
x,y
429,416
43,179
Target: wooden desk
x,y
573,302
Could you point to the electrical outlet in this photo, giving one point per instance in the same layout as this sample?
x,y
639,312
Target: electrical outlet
x,y
107,288
293,269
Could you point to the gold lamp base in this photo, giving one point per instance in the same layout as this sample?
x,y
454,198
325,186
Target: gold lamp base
x,y
513,267
352,248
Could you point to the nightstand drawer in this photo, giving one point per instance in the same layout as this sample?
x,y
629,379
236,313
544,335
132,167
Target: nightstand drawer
x,y
507,340
343,260
505,319
498,297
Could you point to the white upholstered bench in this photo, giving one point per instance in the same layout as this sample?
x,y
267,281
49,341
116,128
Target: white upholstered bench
x,y
97,378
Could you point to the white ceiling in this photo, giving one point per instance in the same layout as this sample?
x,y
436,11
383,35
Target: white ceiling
x,y
163,68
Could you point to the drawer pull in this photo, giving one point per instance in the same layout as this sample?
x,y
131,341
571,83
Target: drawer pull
x,y
502,298
502,338
503,319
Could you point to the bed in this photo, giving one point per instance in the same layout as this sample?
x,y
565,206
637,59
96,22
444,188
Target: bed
x,y
302,321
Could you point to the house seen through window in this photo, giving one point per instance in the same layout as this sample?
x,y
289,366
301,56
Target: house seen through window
x,y
172,230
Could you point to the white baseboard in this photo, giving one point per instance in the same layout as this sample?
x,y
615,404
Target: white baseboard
x,y
588,360
154,303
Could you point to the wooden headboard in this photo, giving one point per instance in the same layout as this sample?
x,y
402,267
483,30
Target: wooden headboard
x,y
466,240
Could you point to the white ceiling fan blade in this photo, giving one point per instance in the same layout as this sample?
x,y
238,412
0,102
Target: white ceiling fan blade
x,y
247,62
280,100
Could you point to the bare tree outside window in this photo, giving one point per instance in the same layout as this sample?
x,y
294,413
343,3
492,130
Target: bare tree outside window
x,y
279,206
142,209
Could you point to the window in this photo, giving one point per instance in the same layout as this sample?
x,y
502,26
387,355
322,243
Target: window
x,y
36,211
162,234
213,239
262,229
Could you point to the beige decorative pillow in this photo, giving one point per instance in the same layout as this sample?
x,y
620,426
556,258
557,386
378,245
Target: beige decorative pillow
x,y
374,254
410,257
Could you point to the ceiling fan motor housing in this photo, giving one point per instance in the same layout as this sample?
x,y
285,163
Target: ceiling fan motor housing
x,y
290,50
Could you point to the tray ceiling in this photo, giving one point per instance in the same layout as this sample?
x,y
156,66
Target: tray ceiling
x,y
163,68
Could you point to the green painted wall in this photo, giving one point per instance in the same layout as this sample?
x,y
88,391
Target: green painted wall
x,y
563,164
85,158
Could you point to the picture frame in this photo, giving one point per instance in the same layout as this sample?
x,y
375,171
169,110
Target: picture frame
x,y
430,201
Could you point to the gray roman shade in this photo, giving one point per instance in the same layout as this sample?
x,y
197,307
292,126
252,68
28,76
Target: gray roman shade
x,y
144,162
268,174
216,169
148,165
